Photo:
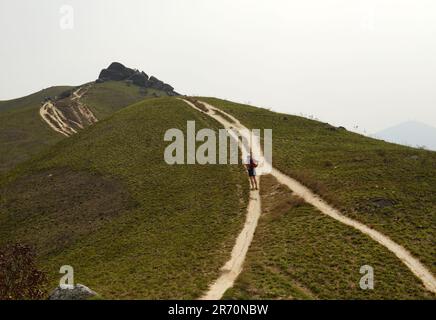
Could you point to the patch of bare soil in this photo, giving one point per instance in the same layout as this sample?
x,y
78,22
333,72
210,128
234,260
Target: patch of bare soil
x,y
55,208
68,115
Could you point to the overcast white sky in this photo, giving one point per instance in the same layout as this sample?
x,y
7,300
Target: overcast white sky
x,y
370,63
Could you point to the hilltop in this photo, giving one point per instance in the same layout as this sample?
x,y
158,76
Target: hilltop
x,y
30,124
118,72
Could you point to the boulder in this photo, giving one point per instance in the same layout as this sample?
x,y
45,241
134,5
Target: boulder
x,y
167,88
107,75
78,292
121,69
140,79
116,66
156,83
116,71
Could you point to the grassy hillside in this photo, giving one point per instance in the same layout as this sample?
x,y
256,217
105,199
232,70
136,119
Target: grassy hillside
x,y
105,202
23,133
299,253
386,186
32,99
107,97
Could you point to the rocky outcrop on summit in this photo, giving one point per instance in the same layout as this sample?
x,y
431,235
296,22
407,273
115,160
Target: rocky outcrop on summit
x,y
118,72
140,79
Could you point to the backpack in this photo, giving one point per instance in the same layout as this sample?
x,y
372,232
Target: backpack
x,y
253,164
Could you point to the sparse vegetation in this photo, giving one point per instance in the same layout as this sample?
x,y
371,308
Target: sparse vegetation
x,y
22,132
20,279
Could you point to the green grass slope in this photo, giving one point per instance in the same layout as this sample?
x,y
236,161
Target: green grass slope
x,y
105,202
23,133
389,187
299,253
32,99
108,97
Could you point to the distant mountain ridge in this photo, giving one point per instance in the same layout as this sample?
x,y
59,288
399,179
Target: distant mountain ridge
x,y
411,133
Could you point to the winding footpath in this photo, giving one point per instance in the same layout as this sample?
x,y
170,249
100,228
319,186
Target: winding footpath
x,y
233,267
59,122
56,119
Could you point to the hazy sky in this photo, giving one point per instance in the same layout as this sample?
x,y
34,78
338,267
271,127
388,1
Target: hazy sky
x,y
370,63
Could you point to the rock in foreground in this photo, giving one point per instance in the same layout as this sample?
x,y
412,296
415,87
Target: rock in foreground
x,y
79,292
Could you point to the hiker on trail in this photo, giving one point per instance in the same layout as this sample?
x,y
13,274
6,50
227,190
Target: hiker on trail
x,y
251,168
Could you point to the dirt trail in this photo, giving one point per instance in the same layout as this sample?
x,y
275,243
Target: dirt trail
x,y
233,267
78,114
56,119
228,277
82,91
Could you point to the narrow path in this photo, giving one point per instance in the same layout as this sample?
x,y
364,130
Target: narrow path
x,y
403,254
233,267
55,119
80,92
59,122
222,284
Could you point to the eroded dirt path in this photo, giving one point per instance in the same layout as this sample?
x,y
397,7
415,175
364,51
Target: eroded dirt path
x,y
55,119
68,119
233,267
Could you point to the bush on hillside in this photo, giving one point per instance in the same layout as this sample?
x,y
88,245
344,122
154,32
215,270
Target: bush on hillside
x,y
20,279
65,94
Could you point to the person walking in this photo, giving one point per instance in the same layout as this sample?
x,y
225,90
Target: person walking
x,y
251,168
